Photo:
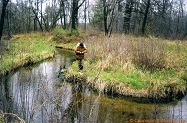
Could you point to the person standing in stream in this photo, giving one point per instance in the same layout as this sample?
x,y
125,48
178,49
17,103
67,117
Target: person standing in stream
x,y
80,50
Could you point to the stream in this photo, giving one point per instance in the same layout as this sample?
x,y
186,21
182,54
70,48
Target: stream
x,y
38,95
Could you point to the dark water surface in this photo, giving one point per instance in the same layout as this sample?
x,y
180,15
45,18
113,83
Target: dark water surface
x,y
33,93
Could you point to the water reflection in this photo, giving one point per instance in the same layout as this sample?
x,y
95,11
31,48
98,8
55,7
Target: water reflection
x,y
32,94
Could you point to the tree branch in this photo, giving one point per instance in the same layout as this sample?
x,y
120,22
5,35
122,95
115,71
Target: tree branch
x,y
80,4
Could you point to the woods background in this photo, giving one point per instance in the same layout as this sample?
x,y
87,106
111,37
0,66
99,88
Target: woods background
x,y
163,18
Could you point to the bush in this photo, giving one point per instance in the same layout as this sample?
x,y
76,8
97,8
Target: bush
x,y
65,36
119,52
74,33
59,30
149,54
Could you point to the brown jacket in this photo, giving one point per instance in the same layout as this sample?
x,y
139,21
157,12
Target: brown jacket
x,y
80,51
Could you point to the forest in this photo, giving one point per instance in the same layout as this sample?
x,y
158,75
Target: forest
x,y
160,18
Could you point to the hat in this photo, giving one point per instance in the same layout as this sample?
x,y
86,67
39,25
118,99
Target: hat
x,y
81,44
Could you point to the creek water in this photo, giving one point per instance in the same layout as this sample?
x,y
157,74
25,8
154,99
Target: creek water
x,y
38,95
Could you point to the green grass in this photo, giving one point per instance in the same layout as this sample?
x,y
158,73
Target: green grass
x,y
26,48
1,121
134,78
184,76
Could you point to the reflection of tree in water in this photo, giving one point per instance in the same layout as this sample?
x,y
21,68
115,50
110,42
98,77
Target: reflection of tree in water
x,y
84,108
37,102
87,107
6,102
33,93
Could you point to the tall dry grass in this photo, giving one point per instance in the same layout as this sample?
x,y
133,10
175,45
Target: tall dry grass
x,y
140,66
121,51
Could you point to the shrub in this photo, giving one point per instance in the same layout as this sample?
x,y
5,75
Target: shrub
x,y
65,36
149,54
74,33
59,30
119,52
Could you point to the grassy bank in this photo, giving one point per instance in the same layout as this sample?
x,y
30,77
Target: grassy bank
x,y
29,48
135,66
25,49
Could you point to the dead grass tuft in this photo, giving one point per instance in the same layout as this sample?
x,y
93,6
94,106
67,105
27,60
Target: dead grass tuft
x,y
120,51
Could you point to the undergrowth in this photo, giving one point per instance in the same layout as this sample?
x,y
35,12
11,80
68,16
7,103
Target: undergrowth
x,y
65,36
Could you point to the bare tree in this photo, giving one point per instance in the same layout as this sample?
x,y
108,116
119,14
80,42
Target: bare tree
x,y
109,15
36,20
85,14
128,12
145,16
74,15
63,13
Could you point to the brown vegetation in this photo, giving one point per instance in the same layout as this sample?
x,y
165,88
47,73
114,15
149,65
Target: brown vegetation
x,y
120,51
135,66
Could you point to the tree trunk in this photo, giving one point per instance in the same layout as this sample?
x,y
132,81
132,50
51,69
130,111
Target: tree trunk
x,y
36,19
127,18
74,15
41,14
5,3
145,16
64,15
85,8
29,18
8,24
105,18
